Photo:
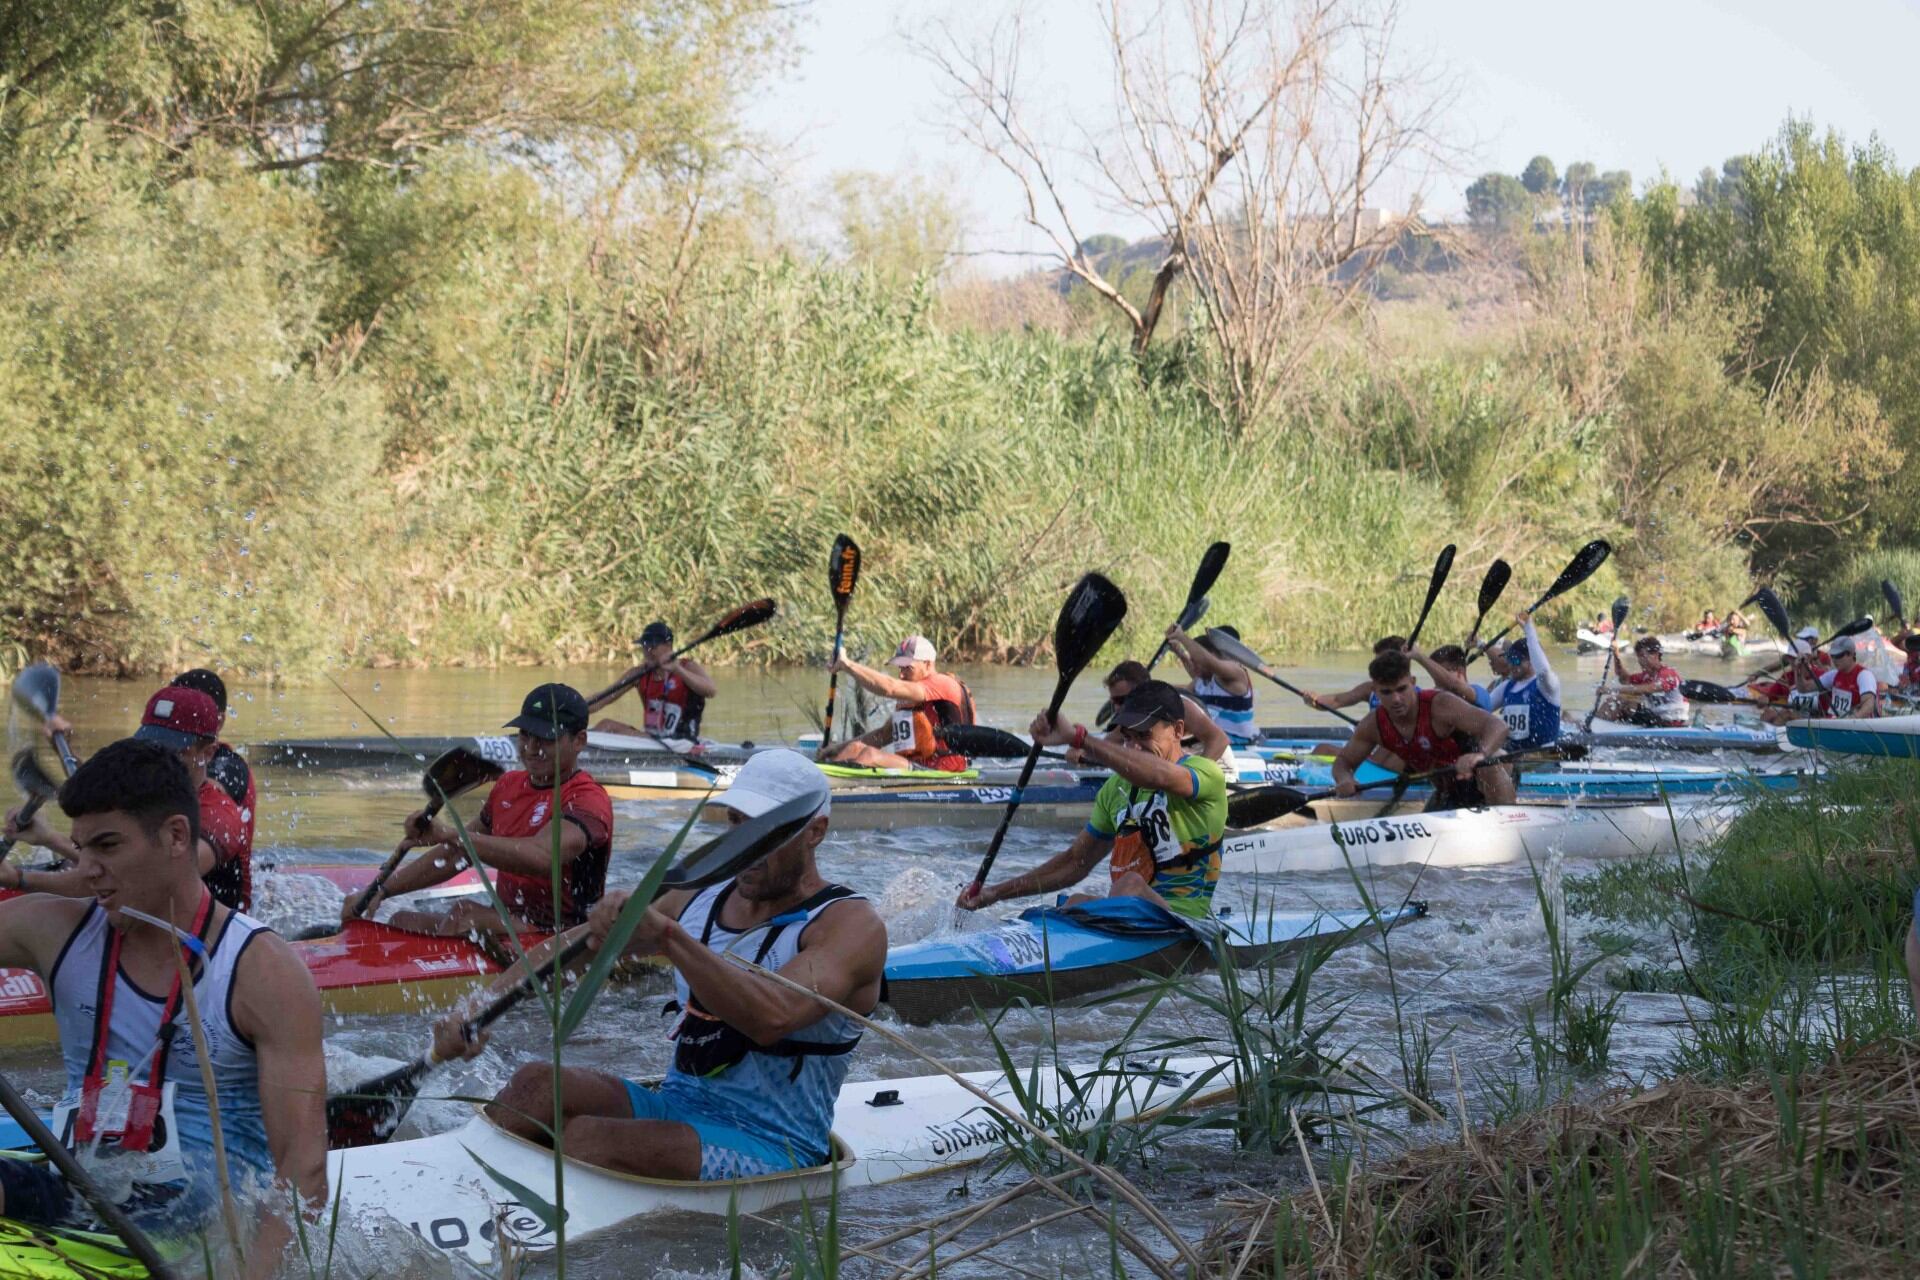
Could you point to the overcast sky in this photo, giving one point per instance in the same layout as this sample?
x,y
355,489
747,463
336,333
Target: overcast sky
x,y
1635,84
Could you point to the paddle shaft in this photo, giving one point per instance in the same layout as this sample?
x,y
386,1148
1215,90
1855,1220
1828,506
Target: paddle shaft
x,y
27,810
392,863
1600,691
1268,672
110,1214
1019,788
833,677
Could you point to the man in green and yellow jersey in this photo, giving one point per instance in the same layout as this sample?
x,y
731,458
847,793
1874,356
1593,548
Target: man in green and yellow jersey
x,y
1160,815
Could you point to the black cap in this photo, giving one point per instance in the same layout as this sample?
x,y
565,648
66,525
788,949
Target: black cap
x,y
551,707
1149,704
656,632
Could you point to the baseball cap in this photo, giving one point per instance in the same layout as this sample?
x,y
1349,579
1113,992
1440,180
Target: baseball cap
x,y
550,707
1840,645
1516,653
913,649
1807,633
773,777
655,632
1149,704
178,718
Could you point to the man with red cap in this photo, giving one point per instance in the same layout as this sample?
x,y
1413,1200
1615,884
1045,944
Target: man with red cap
x,y
925,702
186,722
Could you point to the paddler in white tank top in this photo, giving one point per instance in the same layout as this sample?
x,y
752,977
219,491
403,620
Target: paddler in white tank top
x,y
136,1109
757,1066
1219,684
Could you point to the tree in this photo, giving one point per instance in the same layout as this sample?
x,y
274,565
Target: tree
x,y
1608,187
900,227
1254,138
1498,202
1574,183
1540,177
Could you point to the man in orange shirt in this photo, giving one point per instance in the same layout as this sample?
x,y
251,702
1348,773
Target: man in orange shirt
x,y
926,701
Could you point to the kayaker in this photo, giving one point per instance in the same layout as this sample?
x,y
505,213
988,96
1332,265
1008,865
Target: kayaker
x,y
136,1111
1427,729
1737,624
512,834
1221,685
1209,739
1849,691
1528,698
1602,625
1649,697
1708,626
187,722
1362,692
1175,800
925,701
1448,667
757,1066
673,691
1909,642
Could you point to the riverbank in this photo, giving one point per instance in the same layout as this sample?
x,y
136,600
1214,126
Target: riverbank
x,y
1776,1137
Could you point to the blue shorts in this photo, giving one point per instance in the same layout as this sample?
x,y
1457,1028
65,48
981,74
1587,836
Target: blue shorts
x,y
725,1152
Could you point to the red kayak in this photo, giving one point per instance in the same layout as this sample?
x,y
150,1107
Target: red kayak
x,y
365,968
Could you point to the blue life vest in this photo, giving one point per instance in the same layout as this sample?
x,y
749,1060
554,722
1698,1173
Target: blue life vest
x,y
1533,720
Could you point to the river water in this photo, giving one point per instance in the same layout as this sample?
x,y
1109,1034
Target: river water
x,y
1467,972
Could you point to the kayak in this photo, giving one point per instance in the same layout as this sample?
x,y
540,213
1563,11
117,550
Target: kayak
x,y
1478,837
603,751
367,967
1586,640
1054,954
34,1253
1700,737
1895,736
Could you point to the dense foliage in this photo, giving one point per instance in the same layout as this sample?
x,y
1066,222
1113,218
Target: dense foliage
x,y
396,333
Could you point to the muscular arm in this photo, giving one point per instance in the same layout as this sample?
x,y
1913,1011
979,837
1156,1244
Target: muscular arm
x,y
1142,768
33,928
1062,871
1352,697
1200,663
696,677
1354,752
1443,679
841,957
276,1006
1208,738
879,682
1452,715
523,855
1537,655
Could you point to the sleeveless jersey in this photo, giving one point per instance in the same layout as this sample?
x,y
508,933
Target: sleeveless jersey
x,y
916,725
673,710
517,808
75,987
1845,690
1233,712
784,1093
1533,719
1664,701
1425,749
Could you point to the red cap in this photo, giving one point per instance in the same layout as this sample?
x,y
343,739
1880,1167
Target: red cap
x,y
179,718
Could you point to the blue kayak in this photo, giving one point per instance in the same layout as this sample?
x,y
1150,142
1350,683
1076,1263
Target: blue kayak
x,y
1052,954
1560,780
1897,737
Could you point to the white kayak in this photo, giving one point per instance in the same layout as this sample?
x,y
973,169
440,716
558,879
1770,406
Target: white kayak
x,y
458,1191
1479,837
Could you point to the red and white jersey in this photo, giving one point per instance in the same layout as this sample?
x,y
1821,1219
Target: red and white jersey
x,y
1844,691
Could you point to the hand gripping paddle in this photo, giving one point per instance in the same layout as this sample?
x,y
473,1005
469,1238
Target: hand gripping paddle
x,y
750,614
1620,609
34,784
1225,644
843,571
1211,563
36,691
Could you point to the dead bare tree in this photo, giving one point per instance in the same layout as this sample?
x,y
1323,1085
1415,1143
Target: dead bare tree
x,y
1256,137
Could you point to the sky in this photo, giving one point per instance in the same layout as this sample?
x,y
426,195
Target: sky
x,y
1640,85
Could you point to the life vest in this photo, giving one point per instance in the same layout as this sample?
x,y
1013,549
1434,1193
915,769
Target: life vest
x,y
1425,749
673,710
916,726
1533,719
1233,712
1841,697
228,829
517,808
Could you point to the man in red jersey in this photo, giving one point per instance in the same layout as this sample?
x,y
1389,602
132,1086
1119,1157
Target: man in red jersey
x,y
673,691
1428,729
925,702
515,833
187,722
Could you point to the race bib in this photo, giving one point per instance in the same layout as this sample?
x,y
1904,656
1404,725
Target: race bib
x,y
1150,819
1800,701
663,716
122,1130
1519,718
903,732
1842,701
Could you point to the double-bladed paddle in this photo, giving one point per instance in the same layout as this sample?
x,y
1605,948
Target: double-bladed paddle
x,y
1859,626
453,772
1578,570
1229,647
370,1112
1441,568
1715,695
36,691
1620,608
750,614
1774,612
1092,613
1492,586
34,784
843,572
1211,563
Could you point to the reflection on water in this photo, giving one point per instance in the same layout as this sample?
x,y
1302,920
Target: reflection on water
x,y
1468,969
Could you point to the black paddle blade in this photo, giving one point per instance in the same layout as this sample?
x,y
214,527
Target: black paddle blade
x,y
30,778
1712,694
1620,610
1893,598
1263,804
740,846
1208,573
373,1109
750,614
1092,613
1493,585
1195,610
978,740
1579,569
1776,613
1442,567
843,568
1101,719
1859,626
36,690
456,770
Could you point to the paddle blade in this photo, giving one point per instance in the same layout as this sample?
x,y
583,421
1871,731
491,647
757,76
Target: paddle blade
x,y
1578,570
454,771
1208,573
1092,613
981,740
1493,585
1620,610
1893,598
750,614
1859,626
1776,613
1233,650
371,1111
1709,694
1195,610
1264,804
741,846
36,690
30,778
1442,567
843,568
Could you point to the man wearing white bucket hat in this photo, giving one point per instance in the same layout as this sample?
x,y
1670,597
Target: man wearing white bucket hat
x,y
757,1066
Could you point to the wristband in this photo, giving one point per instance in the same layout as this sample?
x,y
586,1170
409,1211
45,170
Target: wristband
x,y
1079,737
